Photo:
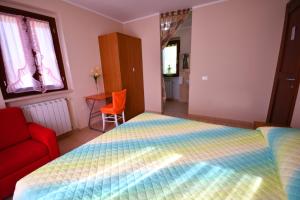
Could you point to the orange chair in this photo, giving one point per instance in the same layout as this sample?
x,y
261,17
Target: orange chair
x,y
111,112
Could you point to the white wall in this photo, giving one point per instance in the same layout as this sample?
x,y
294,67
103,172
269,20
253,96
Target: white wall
x,y
79,30
148,30
296,116
2,103
236,44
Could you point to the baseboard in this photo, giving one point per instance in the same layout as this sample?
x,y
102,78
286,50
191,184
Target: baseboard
x,y
222,121
153,111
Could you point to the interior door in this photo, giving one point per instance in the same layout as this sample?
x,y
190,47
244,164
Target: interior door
x,y
286,81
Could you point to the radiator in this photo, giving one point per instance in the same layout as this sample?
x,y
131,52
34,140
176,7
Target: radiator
x,y
52,114
169,88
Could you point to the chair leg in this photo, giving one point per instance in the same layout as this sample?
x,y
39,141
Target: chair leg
x,y
103,122
123,116
116,120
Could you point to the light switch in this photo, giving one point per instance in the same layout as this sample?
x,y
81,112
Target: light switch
x,y
204,78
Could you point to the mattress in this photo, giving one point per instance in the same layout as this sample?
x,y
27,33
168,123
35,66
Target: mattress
x,y
154,156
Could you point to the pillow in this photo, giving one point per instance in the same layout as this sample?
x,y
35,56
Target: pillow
x,y
285,146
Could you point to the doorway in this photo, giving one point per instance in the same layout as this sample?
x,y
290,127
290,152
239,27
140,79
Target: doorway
x,y
286,82
176,71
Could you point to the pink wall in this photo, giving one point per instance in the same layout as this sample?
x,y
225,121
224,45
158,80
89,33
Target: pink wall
x,y
78,30
149,31
296,116
236,44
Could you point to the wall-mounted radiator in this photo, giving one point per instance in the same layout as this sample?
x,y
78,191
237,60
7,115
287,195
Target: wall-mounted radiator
x,y
52,114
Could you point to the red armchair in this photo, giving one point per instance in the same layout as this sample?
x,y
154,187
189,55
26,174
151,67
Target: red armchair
x,y
24,147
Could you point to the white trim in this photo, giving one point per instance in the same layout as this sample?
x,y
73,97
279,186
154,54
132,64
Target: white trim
x,y
37,96
208,4
136,19
93,11
140,18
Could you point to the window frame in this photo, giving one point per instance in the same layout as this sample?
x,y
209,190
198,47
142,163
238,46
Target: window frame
x,y
55,39
177,43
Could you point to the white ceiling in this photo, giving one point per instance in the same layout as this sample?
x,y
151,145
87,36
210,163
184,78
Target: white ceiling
x,y
127,10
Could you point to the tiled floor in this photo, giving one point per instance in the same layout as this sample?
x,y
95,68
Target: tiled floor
x,y
76,138
176,109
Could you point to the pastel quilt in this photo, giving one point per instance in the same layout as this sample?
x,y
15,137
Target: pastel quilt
x,y
285,146
159,157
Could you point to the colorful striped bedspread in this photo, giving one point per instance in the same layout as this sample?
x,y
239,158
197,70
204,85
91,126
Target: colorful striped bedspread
x,y
159,157
285,146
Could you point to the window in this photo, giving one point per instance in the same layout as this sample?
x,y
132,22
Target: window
x,y
171,58
30,57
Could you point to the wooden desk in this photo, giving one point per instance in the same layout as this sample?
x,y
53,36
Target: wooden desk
x,y
93,99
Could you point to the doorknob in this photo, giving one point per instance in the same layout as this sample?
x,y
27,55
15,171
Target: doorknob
x,y
290,79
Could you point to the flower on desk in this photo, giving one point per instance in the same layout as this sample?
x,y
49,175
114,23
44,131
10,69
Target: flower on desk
x,y
96,73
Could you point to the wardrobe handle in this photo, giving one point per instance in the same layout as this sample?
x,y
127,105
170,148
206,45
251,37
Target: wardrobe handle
x,y
133,69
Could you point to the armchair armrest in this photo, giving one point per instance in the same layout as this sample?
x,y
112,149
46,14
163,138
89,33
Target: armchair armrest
x,y
45,136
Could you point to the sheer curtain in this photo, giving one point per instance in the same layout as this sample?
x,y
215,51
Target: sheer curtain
x,y
169,24
17,55
45,54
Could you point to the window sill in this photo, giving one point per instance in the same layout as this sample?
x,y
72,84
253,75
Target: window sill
x,y
38,96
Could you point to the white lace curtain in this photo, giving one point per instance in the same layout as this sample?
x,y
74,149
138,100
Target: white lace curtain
x,y
46,61
19,38
169,24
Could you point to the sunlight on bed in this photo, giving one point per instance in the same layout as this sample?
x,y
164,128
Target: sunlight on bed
x,y
151,168
201,180
207,186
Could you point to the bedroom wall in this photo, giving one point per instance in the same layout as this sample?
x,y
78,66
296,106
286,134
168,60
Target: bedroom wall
x,y
149,31
235,44
2,103
79,30
296,116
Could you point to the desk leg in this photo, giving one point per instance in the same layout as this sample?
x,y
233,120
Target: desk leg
x,y
91,113
91,117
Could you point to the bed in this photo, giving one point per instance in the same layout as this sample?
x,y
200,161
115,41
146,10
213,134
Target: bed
x,y
154,156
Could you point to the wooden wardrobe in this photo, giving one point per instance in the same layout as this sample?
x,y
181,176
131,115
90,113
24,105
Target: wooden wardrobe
x,y
121,60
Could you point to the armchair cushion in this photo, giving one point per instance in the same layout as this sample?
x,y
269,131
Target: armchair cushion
x,y
16,157
13,127
45,136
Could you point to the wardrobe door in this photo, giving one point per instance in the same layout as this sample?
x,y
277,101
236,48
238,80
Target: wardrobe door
x,y
109,54
127,75
131,71
137,73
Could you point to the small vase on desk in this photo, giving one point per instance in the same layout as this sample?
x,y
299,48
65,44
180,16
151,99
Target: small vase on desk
x,y
96,82
96,73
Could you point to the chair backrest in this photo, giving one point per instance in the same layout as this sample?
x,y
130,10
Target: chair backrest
x,y
13,127
119,100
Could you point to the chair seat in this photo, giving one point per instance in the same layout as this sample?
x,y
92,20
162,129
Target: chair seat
x,y
20,155
108,109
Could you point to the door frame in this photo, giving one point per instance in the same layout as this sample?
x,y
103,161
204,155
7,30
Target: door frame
x,y
291,6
